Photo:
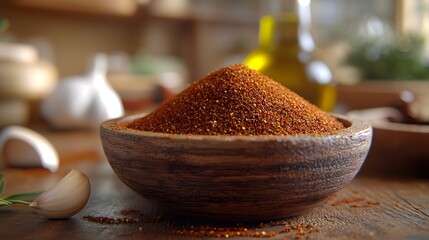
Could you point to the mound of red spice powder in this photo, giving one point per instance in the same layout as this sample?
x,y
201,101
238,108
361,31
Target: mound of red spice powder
x,y
237,100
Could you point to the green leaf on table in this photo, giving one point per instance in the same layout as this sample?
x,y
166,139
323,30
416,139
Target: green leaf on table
x,y
5,202
23,196
2,183
20,201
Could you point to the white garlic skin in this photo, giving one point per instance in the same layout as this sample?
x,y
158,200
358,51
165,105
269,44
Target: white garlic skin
x,y
23,147
84,101
66,198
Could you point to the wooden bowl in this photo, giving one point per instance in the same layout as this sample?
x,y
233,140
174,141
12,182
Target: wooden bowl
x,y
235,178
398,149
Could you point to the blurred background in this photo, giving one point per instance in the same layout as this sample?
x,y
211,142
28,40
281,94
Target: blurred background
x,y
152,49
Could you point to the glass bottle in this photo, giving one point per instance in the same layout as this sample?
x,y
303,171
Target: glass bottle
x,y
284,54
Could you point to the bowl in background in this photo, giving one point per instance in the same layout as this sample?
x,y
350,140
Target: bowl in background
x,y
398,149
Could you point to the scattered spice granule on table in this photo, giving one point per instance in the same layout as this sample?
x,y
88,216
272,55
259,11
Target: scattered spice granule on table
x,y
262,230
331,198
135,216
109,220
348,201
153,219
224,232
237,100
366,204
299,231
129,211
354,202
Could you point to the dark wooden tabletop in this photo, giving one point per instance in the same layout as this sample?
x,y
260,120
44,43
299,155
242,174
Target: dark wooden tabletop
x,y
367,208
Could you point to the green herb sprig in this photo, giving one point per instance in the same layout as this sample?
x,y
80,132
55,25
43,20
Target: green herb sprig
x,y
401,60
20,198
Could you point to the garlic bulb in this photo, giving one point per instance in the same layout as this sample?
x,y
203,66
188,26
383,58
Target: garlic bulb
x,y
23,147
66,198
83,102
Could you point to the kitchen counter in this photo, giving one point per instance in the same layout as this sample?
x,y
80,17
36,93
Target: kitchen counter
x,y
367,208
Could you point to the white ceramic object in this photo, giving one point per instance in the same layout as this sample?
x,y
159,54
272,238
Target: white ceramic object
x,y
26,80
83,102
20,53
23,147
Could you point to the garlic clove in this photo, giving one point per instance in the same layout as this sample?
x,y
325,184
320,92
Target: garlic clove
x,y
23,147
83,101
66,198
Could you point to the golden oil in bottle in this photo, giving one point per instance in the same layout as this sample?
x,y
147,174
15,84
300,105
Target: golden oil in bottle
x,y
284,54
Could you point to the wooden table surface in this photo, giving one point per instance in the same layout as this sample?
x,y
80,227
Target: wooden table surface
x,y
367,208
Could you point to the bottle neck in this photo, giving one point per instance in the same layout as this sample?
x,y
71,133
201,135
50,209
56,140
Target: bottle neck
x,y
286,29
279,33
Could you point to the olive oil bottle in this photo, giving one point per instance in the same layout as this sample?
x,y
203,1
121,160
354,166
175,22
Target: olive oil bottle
x,y
284,54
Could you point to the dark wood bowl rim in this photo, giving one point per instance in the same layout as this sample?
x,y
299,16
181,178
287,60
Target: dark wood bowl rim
x,y
352,127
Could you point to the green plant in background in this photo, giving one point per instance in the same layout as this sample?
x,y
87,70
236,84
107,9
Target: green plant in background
x,y
401,59
4,25
22,198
